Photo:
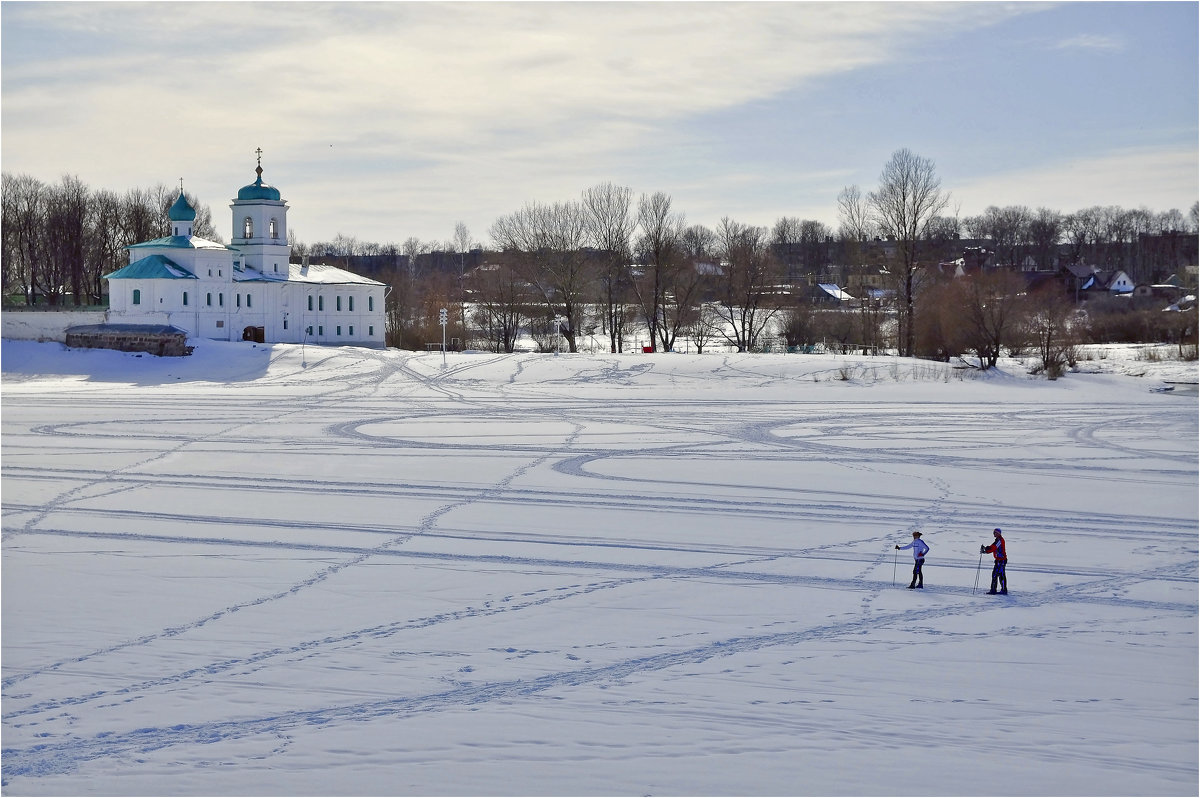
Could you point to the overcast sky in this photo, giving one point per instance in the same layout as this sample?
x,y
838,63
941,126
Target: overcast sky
x,y
388,120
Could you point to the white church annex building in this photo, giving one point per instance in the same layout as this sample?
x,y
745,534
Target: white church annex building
x,y
248,290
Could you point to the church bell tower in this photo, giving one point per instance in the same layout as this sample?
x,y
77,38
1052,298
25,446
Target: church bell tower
x,y
260,227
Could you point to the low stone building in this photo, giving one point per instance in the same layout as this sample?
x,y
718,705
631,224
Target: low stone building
x,y
157,339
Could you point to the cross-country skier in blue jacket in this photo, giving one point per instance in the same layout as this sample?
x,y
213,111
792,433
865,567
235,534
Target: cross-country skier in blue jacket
x,y
919,549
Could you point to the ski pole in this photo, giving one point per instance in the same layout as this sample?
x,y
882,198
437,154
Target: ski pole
x,y
977,569
895,557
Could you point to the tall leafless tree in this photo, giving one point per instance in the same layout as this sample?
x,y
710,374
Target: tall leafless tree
x,y
855,227
1045,231
66,223
552,238
1007,228
105,251
610,225
908,197
748,283
24,234
699,243
661,287
501,304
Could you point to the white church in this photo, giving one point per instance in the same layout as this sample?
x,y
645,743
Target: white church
x,y
248,290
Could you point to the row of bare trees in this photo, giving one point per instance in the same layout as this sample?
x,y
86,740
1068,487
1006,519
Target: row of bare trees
x,y
638,263
57,240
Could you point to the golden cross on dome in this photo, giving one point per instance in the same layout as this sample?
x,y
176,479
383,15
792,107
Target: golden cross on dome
x,y
258,171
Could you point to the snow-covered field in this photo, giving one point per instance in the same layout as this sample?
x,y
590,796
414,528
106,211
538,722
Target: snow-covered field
x,y
284,571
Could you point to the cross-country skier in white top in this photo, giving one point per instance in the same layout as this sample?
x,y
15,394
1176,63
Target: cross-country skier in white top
x,y
920,549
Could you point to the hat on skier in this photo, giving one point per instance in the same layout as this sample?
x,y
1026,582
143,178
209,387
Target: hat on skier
x,y
916,534
996,531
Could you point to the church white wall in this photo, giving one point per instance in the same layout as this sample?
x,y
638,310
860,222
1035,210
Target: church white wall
x,y
326,311
222,310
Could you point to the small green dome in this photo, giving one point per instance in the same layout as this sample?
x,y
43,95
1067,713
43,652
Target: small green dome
x,y
182,210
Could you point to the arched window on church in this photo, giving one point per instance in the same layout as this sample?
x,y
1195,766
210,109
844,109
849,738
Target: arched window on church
x,y
247,228
274,230
137,296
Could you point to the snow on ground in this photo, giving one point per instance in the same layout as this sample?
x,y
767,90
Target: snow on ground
x,y
279,570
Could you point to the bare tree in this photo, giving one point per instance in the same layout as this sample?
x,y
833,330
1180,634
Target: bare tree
x,y
105,248
854,215
140,215
1045,231
462,237
909,196
800,245
1007,228
941,332
748,283
798,325
610,226
991,305
461,244
699,242
704,326
66,219
787,238
1049,314
551,237
855,227
501,302
24,234
668,281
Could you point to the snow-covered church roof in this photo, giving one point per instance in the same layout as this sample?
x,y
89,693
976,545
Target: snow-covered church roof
x,y
311,274
322,274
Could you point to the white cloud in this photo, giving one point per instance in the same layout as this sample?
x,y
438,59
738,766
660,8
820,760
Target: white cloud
x,y
1091,41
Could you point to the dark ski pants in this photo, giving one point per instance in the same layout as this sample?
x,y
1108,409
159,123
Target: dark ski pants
x,y
998,575
918,579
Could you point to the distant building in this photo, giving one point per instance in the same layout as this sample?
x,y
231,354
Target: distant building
x,y
828,294
248,290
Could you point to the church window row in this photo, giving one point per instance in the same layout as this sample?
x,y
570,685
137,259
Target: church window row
x,y
208,300
320,303
350,330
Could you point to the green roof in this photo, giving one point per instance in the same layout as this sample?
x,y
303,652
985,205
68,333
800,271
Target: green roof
x,y
258,190
182,210
152,267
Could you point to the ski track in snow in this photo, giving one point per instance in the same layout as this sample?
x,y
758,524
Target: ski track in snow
x,y
361,403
